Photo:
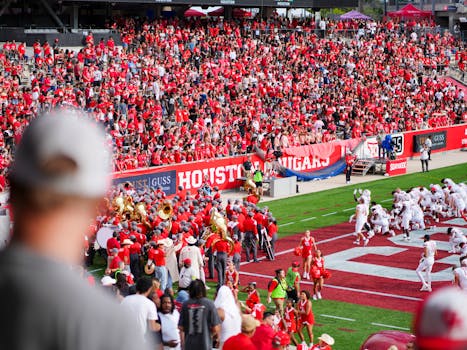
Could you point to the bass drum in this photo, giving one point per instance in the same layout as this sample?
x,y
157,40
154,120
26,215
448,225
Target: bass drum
x,y
103,235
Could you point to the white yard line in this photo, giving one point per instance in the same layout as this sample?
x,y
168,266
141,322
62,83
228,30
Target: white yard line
x,y
329,214
287,224
387,200
389,326
339,318
389,295
349,209
308,219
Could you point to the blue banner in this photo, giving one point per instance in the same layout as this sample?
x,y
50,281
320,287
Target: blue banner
x,y
166,179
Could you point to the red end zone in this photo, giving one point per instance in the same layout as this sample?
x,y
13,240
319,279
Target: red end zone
x,y
364,276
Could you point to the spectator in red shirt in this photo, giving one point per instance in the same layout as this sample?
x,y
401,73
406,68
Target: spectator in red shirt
x,y
265,333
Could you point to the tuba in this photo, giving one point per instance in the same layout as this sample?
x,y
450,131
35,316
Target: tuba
x,y
165,212
219,225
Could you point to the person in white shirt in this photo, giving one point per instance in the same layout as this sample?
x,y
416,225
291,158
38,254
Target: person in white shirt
x,y
460,275
143,309
169,317
229,314
424,156
426,263
187,274
428,144
361,217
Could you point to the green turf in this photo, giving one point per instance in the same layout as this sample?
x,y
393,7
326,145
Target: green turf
x,y
291,210
349,335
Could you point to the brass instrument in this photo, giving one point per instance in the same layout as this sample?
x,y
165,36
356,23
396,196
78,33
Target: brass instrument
x,y
249,183
123,205
219,225
165,212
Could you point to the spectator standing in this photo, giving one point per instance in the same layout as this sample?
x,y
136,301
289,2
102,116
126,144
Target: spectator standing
x,y
169,317
265,333
221,249
144,310
243,340
60,174
192,252
156,255
229,313
428,145
424,156
199,321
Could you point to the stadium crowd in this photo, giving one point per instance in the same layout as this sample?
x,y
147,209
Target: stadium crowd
x,y
184,90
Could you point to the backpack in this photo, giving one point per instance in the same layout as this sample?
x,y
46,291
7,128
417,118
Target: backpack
x,y
270,282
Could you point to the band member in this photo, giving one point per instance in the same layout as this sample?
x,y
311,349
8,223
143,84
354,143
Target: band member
x,y
308,246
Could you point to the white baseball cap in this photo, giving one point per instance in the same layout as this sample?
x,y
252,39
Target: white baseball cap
x,y
64,135
108,281
441,323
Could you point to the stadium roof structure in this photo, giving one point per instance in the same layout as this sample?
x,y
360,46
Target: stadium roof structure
x,y
238,3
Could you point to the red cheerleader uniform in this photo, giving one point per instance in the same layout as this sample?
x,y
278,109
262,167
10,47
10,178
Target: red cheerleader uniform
x,y
307,244
308,318
317,268
290,321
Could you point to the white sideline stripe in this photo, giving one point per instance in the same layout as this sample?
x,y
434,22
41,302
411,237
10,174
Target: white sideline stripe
x,y
389,295
339,318
95,270
387,200
388,326
308,219
348,209
287,224
329,214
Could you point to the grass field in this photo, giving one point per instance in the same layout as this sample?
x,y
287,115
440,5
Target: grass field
x,y
294,214
348,323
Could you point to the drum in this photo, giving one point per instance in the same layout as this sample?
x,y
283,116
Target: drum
x,y
103,235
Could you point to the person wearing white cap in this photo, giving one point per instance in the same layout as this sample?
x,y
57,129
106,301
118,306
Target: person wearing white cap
x,y
192,252
325,342
60,173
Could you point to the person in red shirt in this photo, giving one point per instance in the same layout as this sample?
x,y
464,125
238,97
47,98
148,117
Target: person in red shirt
x,y
243,340
252,197
115,263
325,342
156,255
264,335
349,162
221,249
231,278
251,237
135,251
112,242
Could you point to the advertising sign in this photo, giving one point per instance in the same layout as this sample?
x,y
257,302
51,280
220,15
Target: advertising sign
x,y
166,179
438,140
396,167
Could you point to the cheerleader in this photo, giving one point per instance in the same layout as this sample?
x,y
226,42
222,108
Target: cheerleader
x,y
290,320
306,319
231,278
308,246
317,273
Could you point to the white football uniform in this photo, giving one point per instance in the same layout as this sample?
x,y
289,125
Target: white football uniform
x,y
461,273
426,262
361,217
